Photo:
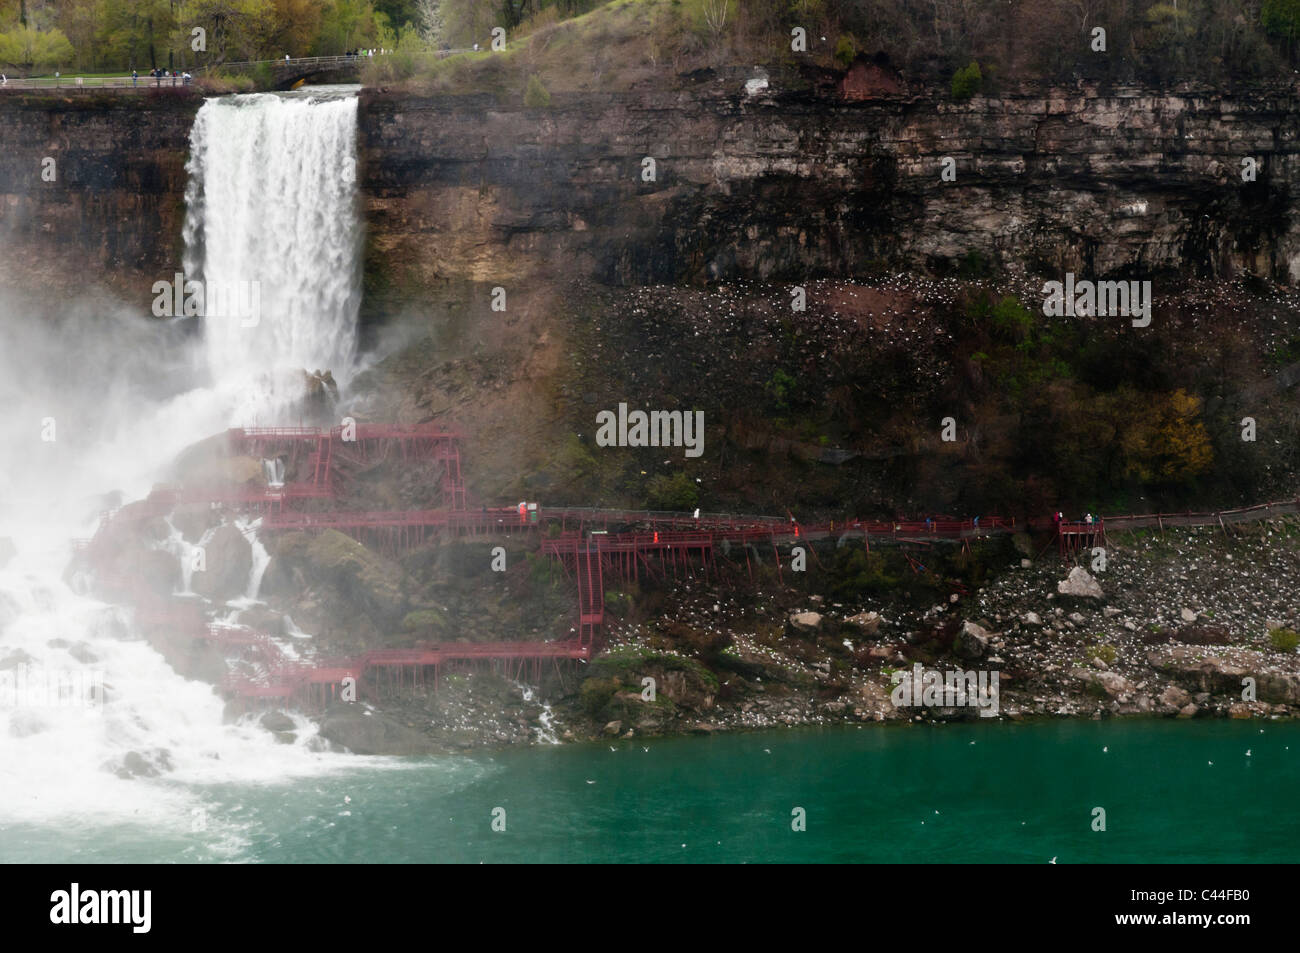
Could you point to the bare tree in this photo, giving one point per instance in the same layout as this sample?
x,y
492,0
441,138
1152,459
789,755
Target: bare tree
x,y
716,13
432,27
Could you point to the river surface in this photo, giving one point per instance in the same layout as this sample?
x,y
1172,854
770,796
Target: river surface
x,y
1018,793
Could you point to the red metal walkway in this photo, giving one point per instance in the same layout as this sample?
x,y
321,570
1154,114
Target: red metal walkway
x,y
591,544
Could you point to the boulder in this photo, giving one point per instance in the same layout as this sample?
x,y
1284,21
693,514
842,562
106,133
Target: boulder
x,y
1079,584
804,623
277,721
864,623
194,519
613,728
1279,688
1174,697
1187,615
365,732
1033,618
16,658
280,725
1188,711
972,641
1114,684
83,653
228,563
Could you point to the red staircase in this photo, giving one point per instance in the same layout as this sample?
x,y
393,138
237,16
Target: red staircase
x,y
591,592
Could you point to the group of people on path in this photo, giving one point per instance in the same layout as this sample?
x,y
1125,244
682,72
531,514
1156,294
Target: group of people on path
x,y
159,74
1088,519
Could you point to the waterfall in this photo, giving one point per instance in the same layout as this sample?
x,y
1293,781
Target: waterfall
x,y
271,200
273,470
271,221
261,559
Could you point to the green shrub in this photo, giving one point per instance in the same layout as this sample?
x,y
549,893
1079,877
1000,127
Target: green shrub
x,y
424,620
263,76
676,492
536,94
617,603
845,50
596,694
1284,640
1104,652
966,82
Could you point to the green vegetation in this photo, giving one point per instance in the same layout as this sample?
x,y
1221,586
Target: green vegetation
x,y
628,665
966,82
845,50
536,94
1284,640
593,44
676,492
26,47
596,694
856,572
780,386
120,35
1104,652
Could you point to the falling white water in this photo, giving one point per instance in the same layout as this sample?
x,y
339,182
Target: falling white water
x,y
261,559
274,471
546,725
271,205
271,200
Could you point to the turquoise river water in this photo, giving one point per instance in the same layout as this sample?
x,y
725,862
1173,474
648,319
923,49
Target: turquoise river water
x,y
1172,792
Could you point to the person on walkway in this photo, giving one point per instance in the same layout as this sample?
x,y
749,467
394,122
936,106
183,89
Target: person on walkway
x,y
135,78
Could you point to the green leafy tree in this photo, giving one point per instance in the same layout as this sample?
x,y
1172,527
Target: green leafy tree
x,y
1281,18
28,48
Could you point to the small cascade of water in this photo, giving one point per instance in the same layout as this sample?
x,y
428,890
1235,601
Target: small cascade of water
x,y
546,729
190,555
291,628
261,558
273,470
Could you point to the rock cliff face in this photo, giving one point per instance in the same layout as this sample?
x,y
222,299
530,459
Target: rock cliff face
x,y
776,185
114,210
789,186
